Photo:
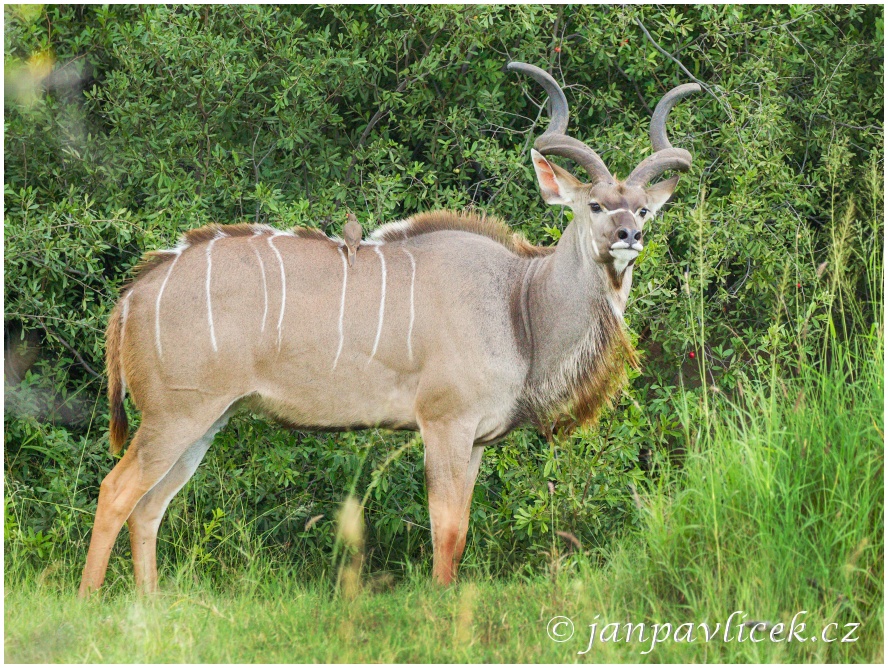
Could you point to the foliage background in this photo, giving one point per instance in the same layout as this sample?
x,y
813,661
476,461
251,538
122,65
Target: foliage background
x,y
127,125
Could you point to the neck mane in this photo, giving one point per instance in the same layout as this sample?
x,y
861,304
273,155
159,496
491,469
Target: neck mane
x,y
578,338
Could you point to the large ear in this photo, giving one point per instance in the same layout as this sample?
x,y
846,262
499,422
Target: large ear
x,y
557,185
659,193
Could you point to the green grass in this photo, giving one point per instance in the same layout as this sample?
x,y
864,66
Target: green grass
x,y
776,508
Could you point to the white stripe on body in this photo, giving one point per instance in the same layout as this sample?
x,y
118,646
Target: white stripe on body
x,y
412,305
381,304
209,298
178,253
123,317
283,284
341,306
264,281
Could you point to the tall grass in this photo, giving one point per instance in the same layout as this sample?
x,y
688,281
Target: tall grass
x,y
776,509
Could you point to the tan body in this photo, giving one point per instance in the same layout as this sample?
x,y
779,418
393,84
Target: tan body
x,y
445,323
292,366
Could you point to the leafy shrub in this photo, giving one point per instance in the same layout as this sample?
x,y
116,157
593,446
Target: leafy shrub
x,y
126,125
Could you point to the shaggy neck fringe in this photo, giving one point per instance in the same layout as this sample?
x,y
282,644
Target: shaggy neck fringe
x,y
588,380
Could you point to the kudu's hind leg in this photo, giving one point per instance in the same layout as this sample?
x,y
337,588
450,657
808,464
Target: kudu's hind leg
x,y
448,459
144,521
474,467
153,452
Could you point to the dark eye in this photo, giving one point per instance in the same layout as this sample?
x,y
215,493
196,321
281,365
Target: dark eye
x,y
596,208
643,213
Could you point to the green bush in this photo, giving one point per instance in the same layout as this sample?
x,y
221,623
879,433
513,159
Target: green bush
x,y
126,126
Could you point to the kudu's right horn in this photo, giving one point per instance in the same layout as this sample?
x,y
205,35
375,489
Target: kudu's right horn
x,y
666,156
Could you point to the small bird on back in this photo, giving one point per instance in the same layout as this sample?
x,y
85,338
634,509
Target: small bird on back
x,y
351,234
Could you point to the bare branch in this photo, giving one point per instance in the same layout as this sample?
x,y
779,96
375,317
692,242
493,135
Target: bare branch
x,y
684,69
71,350
674,59
862,128
637,89
383,111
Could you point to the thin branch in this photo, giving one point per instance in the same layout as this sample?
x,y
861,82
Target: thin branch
x,y
77,272
383,110
637,89
772,27
864,128
381,113
736,287
673,58
684,69
71,350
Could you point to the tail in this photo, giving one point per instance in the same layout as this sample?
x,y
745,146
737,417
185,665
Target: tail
x,y
119,426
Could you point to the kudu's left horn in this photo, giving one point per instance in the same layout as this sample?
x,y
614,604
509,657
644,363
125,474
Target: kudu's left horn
x,y
555,141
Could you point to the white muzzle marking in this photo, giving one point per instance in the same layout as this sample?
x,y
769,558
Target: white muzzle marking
x,y
623,254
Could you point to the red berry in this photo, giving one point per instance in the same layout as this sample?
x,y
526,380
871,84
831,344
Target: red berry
x,y
691,354
798,285
557,49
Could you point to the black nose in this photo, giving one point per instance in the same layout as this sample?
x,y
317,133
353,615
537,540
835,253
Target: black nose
x,y
625,234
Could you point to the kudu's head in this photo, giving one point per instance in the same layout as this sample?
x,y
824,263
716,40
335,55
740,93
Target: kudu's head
x,y
613,212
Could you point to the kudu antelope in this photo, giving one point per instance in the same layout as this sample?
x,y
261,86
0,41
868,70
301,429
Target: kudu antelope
x,y
446,323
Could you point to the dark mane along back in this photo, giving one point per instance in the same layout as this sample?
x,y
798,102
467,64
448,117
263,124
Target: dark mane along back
x,y
465,221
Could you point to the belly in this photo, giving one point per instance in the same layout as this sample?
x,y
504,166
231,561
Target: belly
x,y
340,400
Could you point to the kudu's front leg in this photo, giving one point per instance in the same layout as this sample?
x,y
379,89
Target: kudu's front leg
x,y
451,466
